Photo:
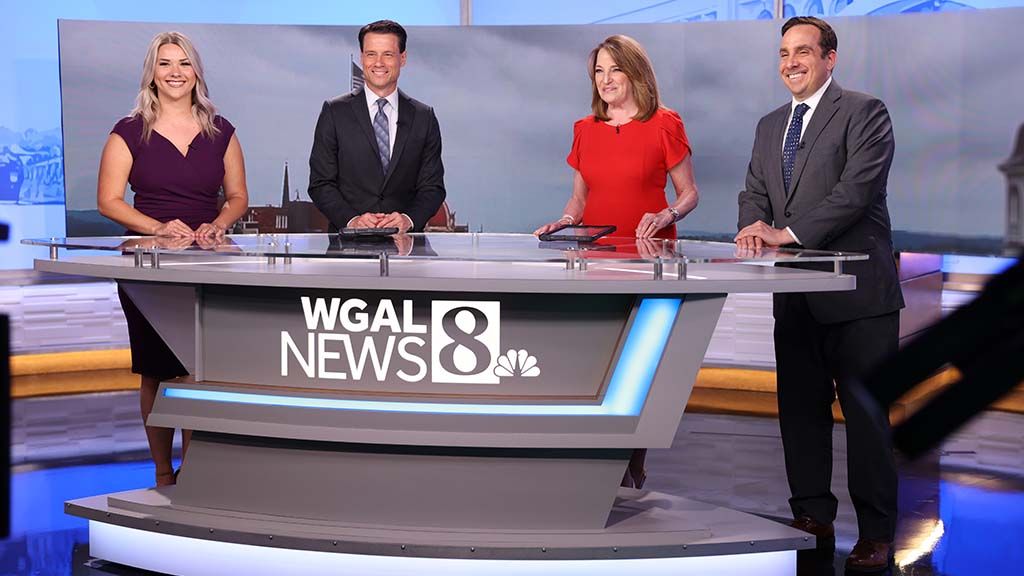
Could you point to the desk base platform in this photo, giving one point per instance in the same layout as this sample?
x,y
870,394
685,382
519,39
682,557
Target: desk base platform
x,y
651,532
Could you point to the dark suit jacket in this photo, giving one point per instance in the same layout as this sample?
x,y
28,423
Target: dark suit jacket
x,y
836,199
345,174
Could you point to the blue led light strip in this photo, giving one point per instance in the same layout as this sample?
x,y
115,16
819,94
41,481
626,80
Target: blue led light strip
x,y
627,391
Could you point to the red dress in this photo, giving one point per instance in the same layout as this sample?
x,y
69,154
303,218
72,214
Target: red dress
x,y
626,168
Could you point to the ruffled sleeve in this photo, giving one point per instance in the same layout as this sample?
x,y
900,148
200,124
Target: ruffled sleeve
x,y
129,129
577,131
673,138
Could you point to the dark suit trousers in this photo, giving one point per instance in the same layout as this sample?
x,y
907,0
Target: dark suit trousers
x,y
810,356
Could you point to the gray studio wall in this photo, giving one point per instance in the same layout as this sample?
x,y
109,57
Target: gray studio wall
x,y
506,98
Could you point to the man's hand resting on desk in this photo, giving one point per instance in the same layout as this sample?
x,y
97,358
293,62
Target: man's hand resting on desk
x,y
396,220
759,234
367,220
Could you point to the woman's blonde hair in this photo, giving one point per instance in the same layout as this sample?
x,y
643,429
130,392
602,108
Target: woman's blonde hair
x,y
632,59
147,104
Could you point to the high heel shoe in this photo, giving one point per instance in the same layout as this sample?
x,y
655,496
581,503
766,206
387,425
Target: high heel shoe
x,y
633,479
635,474
639,477
167,478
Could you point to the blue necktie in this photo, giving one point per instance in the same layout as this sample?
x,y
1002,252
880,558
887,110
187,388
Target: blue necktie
x,y
792,143
380,130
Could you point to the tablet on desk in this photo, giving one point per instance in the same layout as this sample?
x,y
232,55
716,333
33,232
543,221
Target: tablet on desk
x,y
366,233
577,233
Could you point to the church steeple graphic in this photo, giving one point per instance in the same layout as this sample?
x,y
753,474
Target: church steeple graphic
x,y
284,191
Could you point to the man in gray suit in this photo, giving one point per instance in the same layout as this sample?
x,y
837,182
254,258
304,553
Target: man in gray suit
x,y
817,179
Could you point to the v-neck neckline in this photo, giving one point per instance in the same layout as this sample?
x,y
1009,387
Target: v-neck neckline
x,y
188,147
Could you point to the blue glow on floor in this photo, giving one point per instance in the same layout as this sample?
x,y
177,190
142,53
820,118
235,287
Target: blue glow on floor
x,y
43,539
983,265
982,514
983,531
37,497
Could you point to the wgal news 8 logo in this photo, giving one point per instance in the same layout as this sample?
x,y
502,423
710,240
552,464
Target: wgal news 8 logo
x,y
466,341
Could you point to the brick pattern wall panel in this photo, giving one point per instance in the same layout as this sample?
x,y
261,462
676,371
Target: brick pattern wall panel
x,y
55,317
990,441
743,336
79,426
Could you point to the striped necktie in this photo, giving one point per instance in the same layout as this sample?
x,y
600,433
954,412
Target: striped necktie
x,y
380,130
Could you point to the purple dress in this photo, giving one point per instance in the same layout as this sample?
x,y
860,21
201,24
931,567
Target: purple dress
x,y
168,185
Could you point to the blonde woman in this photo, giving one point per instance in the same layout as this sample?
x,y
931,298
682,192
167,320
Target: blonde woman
x,y
176,153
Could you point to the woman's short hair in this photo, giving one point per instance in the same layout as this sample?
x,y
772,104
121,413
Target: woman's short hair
x,y
632,59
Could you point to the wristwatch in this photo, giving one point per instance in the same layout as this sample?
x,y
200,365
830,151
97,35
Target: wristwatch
x,y
674,213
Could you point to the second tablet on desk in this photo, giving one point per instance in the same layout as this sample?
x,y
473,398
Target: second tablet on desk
x,y
577,233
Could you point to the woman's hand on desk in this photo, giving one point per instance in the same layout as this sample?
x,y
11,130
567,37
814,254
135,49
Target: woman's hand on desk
x,y
177,243
210,230
173,229
153,242
565,220
651,222
218,243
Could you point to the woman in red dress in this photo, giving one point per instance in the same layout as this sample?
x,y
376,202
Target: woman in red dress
x,y
621,155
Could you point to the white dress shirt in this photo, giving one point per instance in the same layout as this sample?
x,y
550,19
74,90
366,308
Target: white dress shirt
x,y
391,109
812,102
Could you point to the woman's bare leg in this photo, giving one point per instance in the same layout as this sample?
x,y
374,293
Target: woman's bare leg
x,y
160,439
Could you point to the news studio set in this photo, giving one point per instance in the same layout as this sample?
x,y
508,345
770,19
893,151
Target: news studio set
x,y
475,287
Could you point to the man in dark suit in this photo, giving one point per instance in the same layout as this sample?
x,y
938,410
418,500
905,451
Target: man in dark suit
x,y
817,179
376,158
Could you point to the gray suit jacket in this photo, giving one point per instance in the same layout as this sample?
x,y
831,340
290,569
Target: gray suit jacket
x,y
836,199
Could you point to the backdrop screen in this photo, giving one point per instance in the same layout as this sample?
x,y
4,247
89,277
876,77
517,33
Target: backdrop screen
x,y
506,99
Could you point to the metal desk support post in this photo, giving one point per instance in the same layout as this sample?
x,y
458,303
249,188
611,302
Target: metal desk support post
x,y
271,260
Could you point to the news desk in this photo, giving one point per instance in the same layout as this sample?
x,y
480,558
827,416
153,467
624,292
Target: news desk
x,y
457,403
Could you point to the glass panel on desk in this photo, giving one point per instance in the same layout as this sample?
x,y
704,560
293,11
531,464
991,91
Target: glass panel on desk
x,y
451,246
684,251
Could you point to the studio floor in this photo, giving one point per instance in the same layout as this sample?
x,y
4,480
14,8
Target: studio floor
x,y
961,508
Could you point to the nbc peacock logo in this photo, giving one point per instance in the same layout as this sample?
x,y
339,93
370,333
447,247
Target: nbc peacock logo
x,y
517,363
